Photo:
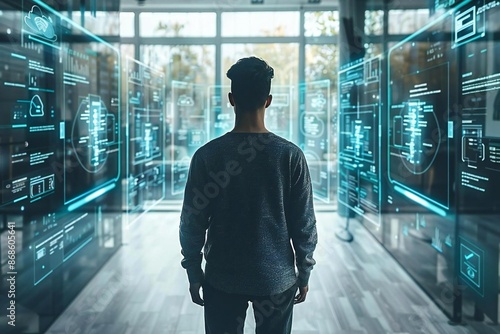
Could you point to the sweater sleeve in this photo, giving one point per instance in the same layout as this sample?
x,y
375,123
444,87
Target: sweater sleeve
x,y
194,220
302,224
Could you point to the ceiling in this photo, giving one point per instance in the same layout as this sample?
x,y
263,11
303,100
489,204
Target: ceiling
x,y
246,4
222,4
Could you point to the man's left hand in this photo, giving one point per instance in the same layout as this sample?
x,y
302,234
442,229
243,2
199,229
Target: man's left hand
x,y
194,290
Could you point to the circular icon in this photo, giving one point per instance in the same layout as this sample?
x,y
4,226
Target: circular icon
x,y
89,135
417,146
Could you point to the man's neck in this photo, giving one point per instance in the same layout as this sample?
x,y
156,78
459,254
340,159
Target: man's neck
x,y
250,122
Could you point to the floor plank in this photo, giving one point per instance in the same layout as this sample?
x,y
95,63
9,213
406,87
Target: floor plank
x,y
354,288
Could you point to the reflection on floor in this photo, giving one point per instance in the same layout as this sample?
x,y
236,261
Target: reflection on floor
x,y
355,288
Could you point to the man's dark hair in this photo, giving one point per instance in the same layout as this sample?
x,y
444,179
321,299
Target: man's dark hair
x,y
250,83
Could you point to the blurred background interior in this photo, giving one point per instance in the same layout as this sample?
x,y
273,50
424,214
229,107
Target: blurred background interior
x,y
394,103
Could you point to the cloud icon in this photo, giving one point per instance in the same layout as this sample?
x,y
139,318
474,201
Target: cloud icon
x,y
185,101
40,24
318,101
311,125
36,107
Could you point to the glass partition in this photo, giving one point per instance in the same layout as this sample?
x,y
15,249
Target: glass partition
x,y
314,127
60,161
146,138
190,129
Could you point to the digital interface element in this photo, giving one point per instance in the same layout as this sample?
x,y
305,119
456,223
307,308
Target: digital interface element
x,y
359,138
479,162
92,139
420,129
220,110
278,115
29,128
442,4
146,142
40,25
68,234
469,23
190,129
89,134
314,126
447,4
59,155
478,159
442,150
472,265
36,107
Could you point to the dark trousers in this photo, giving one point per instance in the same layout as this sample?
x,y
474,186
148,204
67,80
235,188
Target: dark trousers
x,y
225,313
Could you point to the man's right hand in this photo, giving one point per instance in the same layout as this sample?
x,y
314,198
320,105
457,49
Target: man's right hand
x,y
301,296
194,290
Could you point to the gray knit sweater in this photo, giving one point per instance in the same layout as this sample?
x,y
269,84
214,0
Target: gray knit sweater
x,y
252,192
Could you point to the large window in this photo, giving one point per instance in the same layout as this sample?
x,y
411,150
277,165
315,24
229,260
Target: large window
x,y
103,23
321,62
177,24
373,50
407,21
194,52
374,22
283,57
251,24
324,23
127,24
189,63
196,48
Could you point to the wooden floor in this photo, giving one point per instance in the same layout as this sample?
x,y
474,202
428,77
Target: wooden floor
x,y
355,288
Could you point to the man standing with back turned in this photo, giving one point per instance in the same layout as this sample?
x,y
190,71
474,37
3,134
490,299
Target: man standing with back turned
x,y
251,189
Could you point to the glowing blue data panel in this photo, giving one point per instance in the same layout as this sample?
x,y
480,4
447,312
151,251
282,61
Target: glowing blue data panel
x,y
359,140
220,110
479,138
92,138
442,4
442,143
59,237
190,129
28,125
420,129
278,116
469,23
49,75
314,127
61,125
76,85
478,160
79,230
146,143
59,155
